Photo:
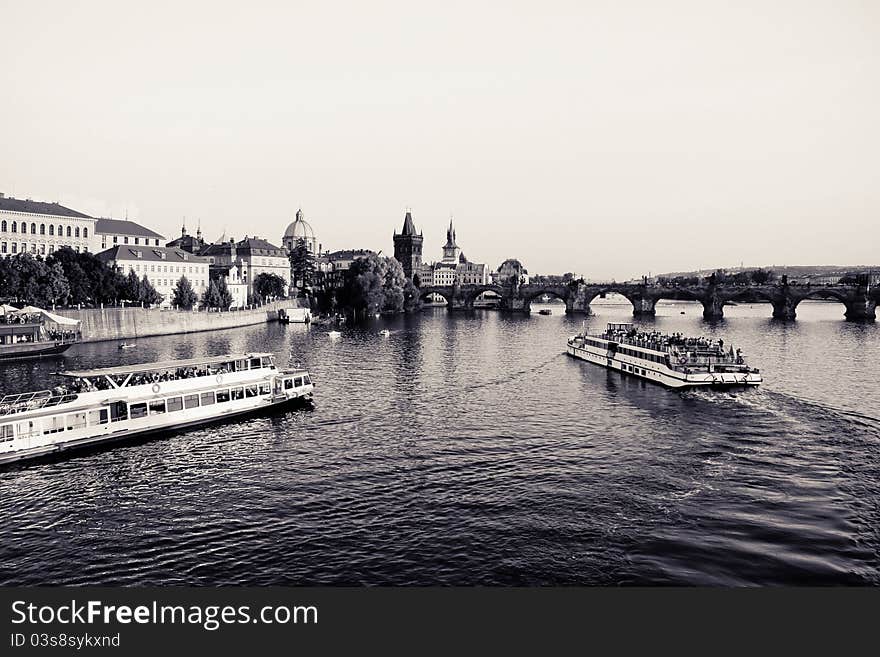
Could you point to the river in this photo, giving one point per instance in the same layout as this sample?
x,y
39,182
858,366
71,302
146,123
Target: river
x,y
467,448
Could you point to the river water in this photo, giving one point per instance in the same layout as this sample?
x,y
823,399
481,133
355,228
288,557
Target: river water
x,y
469,449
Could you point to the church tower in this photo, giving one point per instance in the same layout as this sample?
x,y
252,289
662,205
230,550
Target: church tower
x,y
408,247
450,249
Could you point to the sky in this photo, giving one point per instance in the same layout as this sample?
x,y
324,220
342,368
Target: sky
x,y
611,139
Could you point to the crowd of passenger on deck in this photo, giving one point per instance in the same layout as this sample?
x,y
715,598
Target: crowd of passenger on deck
x,y
675,342
142,378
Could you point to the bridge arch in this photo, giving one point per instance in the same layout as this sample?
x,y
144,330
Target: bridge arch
x,y
477,290
444,292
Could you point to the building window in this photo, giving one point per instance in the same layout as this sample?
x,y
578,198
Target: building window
x,y
42,229
14,227
137,240
3,247
23,228
76,232
60,230
43,249
125,239
85,232
68,231
157,242
33,229
51,229
14,247
51,248
3,226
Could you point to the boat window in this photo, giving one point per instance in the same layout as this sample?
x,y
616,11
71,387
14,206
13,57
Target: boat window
x,y
138,410
76,420
222,396
250,391
265,389
157,406
288,383
27,429
238,393
99,416
53,424
241,365
118,411
174,404
255,363
191,401
307,380
207,398
6,432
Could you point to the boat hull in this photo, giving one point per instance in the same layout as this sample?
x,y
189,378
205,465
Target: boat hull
x,y
662,375
33,350
134,433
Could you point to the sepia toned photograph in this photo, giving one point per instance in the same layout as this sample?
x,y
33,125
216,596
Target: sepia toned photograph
x,y
464,294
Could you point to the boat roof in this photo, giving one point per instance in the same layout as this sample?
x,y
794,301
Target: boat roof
x,y
161,365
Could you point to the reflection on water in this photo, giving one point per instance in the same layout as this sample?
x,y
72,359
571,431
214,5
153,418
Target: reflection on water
x,y
468,449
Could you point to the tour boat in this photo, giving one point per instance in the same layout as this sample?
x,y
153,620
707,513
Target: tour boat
x,y
35,333
115,403
672,360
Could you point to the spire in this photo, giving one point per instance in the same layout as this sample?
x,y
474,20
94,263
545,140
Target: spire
x,y
199,230
183,228
299,215
409,227
450,236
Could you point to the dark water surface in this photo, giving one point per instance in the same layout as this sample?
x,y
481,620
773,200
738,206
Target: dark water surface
x,y
468,449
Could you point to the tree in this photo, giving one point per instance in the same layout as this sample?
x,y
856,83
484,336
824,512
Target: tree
x,y
269,285
302,265
89,278
148,294
762,276
131,287
53,284
217,295
375,284
183,295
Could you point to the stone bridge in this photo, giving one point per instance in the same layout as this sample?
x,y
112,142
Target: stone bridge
x,y
860,300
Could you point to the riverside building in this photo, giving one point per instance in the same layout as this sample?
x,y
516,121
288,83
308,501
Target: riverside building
x,y
41,228
162,266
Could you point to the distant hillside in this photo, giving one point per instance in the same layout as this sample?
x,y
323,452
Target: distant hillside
x,y
792,271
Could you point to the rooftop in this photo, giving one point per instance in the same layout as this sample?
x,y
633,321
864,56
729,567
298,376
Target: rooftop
x,y
11,204
162,365
254,245
149,253
124,227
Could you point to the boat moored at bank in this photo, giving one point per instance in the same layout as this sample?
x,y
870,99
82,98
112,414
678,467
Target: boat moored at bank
x,y
110,404
673,360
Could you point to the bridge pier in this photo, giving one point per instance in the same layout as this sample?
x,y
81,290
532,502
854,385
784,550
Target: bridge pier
x,y
785,308
861,310
644,306
713,308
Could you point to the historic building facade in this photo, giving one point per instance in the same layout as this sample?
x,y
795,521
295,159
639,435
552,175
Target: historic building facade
x,y
111,232
300,229
454,267
40,228
408,247
252,256
162,266
190,243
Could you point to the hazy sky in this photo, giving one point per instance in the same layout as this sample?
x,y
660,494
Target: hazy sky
x,y
608,138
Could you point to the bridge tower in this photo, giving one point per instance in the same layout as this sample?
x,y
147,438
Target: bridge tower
x,y
408,247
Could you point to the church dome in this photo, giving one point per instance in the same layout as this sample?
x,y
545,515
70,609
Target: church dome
x,y
300,229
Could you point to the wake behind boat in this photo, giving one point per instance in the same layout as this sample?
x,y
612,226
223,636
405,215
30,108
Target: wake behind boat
x,y
115,403
672,360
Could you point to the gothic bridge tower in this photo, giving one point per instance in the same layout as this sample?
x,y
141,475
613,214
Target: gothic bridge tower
x,y
408,247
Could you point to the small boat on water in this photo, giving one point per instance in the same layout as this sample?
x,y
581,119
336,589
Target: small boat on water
x,y
115,403
385,332
545,311
32,332
333,334
127,345
673,360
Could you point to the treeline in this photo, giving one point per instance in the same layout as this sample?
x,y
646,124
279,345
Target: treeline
x,y
69,278
750,277
372,284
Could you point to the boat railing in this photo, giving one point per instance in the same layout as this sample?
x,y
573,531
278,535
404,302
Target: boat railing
x,y
28,401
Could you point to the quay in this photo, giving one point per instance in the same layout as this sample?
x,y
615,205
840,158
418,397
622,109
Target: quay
x,y
100,324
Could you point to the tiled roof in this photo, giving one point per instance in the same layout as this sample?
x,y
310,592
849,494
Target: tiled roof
x,y
249,245
349,254
149,253
38,207
124,227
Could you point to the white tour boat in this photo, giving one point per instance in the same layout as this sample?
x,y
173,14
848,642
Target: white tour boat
x,y
673,360
114,403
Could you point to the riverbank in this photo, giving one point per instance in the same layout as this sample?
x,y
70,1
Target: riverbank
x,y
99,324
